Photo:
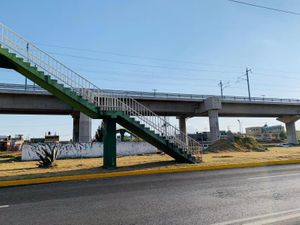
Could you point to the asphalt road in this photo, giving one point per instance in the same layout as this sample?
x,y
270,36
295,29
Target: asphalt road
x,y
265,195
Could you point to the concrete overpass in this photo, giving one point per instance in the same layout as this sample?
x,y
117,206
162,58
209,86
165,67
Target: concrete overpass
x,y
18,99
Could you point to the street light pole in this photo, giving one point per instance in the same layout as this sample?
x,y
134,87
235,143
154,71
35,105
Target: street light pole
x,y
240,126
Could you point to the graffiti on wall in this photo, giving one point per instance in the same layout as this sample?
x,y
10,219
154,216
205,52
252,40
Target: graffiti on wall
x,y
85,150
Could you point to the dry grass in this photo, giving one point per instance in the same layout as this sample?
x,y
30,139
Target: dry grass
x,y
20,170
273,154
11,168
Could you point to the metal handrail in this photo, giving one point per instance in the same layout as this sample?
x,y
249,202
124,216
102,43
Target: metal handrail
x,y
105,101
163,95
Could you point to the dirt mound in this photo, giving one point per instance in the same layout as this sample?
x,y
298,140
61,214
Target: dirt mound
x,y
239,144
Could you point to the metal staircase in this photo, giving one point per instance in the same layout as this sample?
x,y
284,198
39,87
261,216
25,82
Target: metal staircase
x,y
24,57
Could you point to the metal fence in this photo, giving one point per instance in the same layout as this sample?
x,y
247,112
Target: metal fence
x,y
162,95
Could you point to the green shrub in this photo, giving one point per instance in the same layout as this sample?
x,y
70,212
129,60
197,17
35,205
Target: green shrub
x,y
47,156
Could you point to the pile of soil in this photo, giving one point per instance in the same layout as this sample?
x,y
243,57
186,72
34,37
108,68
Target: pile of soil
x,y
238,144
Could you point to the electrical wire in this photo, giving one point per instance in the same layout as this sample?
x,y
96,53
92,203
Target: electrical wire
x,y
138,57
296,74
137,64
265,7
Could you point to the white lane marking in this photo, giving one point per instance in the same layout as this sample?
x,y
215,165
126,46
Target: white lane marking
x,y
281,175
274,220
4,206
257,217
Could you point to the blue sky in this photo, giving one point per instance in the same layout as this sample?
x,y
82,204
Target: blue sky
x,y
169,45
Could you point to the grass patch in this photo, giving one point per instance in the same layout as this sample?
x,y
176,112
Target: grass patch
x,y
6,157
11,170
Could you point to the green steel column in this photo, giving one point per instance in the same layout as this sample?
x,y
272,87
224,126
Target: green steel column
x,y
110,149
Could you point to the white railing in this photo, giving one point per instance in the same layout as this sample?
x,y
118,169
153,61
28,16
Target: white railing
x,y
44,62
164,95
151,120
82,87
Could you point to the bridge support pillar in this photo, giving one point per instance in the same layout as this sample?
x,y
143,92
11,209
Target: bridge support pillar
x,y
82,128
109,148
212,106
182,126
182,123
291,133
213,115
290,128
75,128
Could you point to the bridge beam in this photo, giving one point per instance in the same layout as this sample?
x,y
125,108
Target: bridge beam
x,y
109,145
290,127
82,127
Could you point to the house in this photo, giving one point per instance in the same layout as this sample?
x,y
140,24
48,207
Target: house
x,y
265,133
49,138
7,143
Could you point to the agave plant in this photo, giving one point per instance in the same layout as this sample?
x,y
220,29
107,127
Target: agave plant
x,y
47,156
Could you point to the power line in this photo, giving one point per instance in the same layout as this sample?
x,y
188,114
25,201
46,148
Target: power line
x,y
138,64
138,57
159,59
178,80
148,73
113,75
144,77
265,7
191,82
294,73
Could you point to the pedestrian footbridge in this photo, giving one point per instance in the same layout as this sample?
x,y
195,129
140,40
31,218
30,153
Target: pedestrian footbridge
x,y
19,54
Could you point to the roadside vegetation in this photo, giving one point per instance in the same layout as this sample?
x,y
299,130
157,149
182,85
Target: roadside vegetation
x,y
9,157
47,156
12,168
236,144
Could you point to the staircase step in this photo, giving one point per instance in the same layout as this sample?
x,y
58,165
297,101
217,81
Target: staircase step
x,y
20,58
68,89
61,85
27,64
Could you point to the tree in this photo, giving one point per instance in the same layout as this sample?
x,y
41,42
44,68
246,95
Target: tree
x,y
282,135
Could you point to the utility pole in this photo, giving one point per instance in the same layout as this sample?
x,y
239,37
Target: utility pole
x,y
154,91
248,83
222,87
25,83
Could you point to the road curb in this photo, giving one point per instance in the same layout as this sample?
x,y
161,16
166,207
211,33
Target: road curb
x,y
44,180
